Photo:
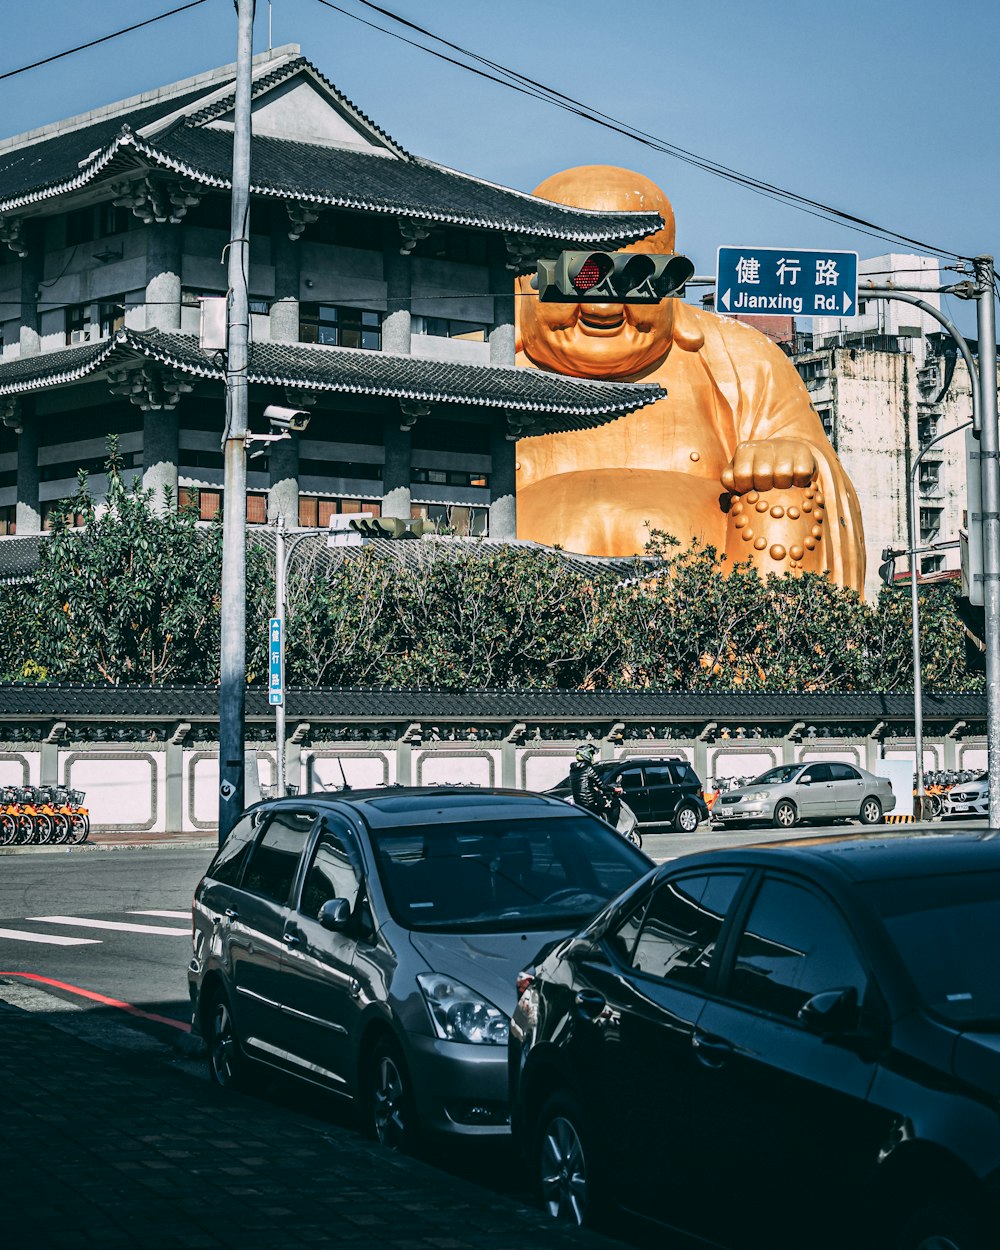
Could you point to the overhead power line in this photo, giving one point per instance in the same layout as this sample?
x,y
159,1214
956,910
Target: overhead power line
x,y
526,85
57,56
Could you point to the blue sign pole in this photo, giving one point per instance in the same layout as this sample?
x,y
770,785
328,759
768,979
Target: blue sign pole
x,y
276,682
789,282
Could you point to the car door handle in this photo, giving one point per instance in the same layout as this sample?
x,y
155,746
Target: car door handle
x,y
711,1051
232,914
590,1004
291,938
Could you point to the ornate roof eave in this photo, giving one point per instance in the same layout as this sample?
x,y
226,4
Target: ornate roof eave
x,y
598,403
129,150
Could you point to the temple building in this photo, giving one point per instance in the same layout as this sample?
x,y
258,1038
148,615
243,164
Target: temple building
x,y
381,297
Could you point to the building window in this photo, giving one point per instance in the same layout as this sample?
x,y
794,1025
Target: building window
x,y
930,524
49,510
449,328
930,478
111,314
8,520
336,326
826,417
84,225
78,327
449,477
207,502
462,519
315,511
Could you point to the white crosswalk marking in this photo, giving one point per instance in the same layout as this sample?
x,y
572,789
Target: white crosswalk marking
x,y
117,925
166,915
49,939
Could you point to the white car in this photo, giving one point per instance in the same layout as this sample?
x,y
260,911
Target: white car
x,y
968,798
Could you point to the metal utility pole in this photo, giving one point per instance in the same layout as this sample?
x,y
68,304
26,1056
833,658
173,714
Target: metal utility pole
x,y
232,654
989,445
279,612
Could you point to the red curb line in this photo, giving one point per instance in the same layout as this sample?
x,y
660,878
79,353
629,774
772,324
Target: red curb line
x,y
102,999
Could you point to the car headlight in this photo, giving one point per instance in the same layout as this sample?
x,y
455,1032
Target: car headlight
x,y
758,796
460,1014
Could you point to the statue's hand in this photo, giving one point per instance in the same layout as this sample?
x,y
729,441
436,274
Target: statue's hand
x,y
772,462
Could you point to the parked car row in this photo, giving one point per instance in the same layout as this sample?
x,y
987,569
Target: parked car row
x,y
808,1029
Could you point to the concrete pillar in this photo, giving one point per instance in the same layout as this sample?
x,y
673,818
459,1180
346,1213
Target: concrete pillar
x,y
502,331
285,256
397,470
283,468
397,271
503,512
174,787
160,454
163,277
28,510
48,762
31,276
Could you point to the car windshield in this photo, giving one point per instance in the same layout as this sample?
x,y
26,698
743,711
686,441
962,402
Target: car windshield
x,y
945,929
777,776
501,876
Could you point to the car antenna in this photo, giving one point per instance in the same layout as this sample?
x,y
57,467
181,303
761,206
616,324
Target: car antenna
x,y
343,775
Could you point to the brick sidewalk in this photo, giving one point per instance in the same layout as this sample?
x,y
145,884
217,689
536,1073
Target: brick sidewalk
x,y
110,1151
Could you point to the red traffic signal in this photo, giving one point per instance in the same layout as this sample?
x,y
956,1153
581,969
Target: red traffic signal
x,y
612,277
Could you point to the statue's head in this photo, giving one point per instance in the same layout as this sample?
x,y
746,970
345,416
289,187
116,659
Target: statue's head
x,y
600,340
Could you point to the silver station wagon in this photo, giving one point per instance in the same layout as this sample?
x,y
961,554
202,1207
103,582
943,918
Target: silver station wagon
x,y
790,793
369,942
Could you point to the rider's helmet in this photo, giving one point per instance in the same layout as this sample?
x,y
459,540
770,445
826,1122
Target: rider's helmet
x,y
586,753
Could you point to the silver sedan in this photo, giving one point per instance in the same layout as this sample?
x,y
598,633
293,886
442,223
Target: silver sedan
x,y
789,793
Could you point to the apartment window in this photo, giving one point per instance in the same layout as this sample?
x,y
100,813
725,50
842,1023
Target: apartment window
x,y
930,523
315,511
930,478
336,326
449,328
78,327
826,417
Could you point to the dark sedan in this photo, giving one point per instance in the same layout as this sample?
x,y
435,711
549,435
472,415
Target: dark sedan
x,y
368,942
794,1045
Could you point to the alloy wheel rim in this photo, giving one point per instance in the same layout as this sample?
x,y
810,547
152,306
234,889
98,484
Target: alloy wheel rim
x,y
389,1110
223,1043
564,1173
689,820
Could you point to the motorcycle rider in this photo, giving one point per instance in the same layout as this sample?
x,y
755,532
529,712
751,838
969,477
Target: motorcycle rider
x,y
589,791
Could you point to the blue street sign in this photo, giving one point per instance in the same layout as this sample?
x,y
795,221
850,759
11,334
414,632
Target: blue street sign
x,y
276,692
776,282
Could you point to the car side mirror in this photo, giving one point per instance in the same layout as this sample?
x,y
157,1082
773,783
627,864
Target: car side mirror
x,y
806,780
335,914
831,1013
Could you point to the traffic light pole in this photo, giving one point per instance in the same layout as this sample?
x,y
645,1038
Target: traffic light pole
x,y
232,645
989,445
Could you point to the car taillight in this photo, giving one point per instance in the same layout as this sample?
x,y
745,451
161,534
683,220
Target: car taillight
x,y
525,980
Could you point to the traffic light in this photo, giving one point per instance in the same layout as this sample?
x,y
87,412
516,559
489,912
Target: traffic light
x,y
392,527
611,277
887,569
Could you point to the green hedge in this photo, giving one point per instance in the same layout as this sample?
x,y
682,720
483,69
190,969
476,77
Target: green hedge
x,y
134,597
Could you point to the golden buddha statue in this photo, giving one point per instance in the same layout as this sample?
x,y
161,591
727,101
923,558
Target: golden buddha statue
x,y
735,456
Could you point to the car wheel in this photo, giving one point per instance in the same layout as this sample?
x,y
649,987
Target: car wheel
x,y
871,811
942,1224
391,1114
563,1163
228,1066
785,815
687,819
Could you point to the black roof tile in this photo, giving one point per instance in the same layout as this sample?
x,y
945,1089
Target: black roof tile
x,y
19,701
549,401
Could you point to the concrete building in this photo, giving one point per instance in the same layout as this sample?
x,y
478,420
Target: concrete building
x,y
381,297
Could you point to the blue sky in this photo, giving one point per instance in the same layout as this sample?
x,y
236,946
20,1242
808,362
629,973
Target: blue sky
x,y
887,110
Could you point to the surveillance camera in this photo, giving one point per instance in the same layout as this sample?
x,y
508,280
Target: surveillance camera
x,y
293,419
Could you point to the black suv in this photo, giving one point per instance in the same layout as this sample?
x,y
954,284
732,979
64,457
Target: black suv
x,y
661,791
